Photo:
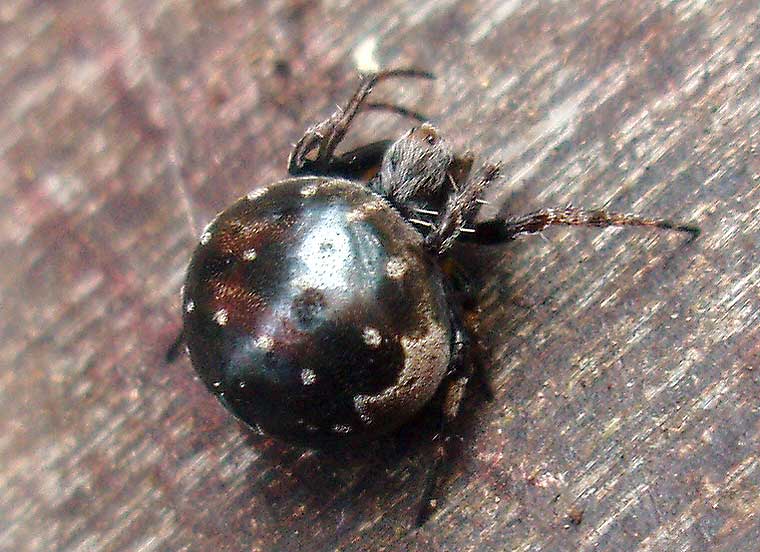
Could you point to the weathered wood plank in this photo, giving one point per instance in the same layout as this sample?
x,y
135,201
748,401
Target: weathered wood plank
x,y
626,364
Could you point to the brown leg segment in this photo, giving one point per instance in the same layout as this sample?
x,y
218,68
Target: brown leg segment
x,y
498,231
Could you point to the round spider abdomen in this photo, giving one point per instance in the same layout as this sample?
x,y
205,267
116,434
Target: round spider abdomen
x,y
313,312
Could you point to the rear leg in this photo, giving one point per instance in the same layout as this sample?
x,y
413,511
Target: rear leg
x,y
452,393
463,367
467,290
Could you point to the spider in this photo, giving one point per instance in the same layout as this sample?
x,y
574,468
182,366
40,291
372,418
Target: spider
x,y
322,308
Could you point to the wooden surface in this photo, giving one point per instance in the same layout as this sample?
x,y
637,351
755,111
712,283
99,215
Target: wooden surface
x,y
626,363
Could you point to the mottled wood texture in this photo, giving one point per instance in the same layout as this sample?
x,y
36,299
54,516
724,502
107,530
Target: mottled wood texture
x,y
625,362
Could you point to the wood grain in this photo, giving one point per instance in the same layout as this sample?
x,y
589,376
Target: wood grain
x,y
626,363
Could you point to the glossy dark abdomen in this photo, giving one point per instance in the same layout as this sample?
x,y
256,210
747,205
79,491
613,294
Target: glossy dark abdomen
x,y
313,312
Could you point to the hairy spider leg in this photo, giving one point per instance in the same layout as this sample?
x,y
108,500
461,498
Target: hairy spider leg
x,y
461,209
500,230
450,396
327,135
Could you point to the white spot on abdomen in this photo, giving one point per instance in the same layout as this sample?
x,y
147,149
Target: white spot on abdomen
x,y
253,195
396,268
206,235
308,376
264,342
310,190
355,215
221,316
372,337
360,404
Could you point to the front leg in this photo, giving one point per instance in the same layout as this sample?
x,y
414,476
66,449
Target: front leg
x,y
460,210
501,230
325,137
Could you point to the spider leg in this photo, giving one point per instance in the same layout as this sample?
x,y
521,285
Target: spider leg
x,y
362,163
461,209
466,367
175,348
325,136
501,230
463,287
461,167
452,393
397,109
